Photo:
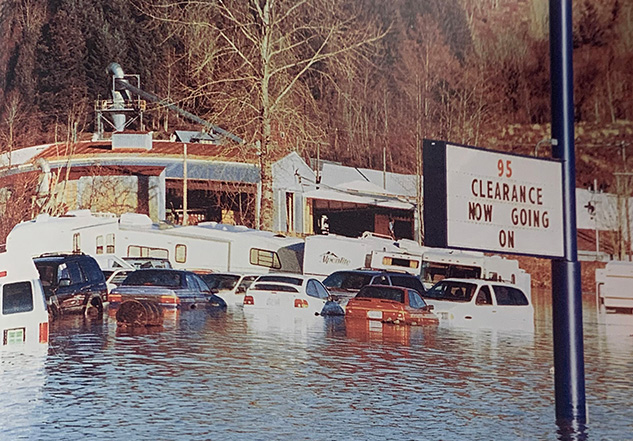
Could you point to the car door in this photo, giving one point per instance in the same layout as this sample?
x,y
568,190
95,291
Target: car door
x,y
94,279
72,285
193,292
407,281
484,308
512,305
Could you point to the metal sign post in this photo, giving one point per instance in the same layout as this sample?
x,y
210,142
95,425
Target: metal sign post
x,y
569,369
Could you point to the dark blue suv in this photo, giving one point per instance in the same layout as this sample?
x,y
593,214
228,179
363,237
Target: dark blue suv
x,y
72,283
344,284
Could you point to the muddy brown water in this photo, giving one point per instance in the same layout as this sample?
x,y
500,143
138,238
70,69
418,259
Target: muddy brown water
x,y
232,376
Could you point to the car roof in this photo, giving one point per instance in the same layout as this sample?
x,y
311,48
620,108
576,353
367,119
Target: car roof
x,y
233,274
374,272
479,282
400,288
275,282
294,275
59,257
171,270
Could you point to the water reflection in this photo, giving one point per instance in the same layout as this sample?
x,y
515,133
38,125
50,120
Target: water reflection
x,y
572,431
23,378
230,375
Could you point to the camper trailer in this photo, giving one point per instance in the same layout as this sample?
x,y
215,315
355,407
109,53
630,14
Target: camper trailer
x,y
23,313
207,246
614,287
435,264
327,253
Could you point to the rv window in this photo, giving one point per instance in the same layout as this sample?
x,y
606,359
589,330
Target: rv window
x,y
17,297
267,258
140,251
181,253
403,263
76,243
434,272
99,244
110,243
465,272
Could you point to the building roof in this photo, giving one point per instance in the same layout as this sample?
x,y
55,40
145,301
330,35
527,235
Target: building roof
x,y
230,153
204,161
340,176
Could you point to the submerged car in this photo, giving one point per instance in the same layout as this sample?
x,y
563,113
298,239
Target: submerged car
x,y
292,293
170,288
344,284
230,286
480,302
390,304
72,283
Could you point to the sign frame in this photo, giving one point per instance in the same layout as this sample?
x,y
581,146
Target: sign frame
x,y
440,194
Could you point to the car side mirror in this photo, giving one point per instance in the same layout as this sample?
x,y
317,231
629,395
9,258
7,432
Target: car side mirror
x,y
214,290
429,307
64,282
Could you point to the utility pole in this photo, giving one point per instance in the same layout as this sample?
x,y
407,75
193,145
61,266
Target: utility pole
x,y
569,368
184,186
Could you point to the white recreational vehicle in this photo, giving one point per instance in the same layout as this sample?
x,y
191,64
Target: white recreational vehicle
x,y
435,264
328,253
23,313
207,246
614,287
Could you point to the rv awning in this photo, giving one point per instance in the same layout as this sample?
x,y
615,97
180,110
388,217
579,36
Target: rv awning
x,y
333,195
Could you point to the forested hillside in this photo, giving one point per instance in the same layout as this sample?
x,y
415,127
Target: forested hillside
x,y
349,78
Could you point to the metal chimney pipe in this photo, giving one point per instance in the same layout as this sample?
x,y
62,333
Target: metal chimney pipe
x,y
118,99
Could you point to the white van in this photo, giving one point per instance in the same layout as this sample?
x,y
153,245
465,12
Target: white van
x,y
23,313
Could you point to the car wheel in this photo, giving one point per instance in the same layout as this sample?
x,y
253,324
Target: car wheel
x,y
94,308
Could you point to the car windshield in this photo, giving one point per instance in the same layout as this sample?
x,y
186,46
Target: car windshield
x,y
220,281
381,292
274,287
140,262
452,291
154,278
283,279
118,278
347,280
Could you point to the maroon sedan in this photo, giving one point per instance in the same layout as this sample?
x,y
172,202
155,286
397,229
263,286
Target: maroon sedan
x,y
390,304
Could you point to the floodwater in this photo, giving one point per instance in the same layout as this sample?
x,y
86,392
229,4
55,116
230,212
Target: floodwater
x,y
231,376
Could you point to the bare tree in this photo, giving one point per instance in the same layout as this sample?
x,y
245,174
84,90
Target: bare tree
x,y
252,63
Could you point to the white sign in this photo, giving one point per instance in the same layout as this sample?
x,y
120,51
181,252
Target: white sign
x,y
505,203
